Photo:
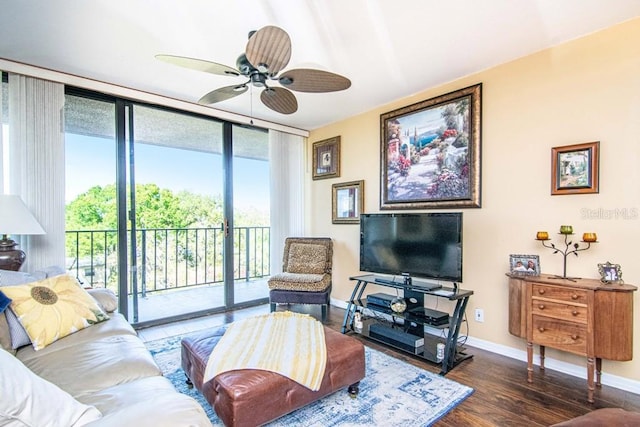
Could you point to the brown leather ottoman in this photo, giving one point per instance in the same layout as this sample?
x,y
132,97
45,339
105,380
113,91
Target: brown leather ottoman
x,y
252,397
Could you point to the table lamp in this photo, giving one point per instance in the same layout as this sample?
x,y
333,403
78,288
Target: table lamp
x,y
15,219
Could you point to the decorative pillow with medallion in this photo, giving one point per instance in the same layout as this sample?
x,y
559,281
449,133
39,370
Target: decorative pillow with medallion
x,y
53,308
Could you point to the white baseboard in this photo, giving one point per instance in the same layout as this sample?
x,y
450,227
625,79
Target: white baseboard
x,y
579,371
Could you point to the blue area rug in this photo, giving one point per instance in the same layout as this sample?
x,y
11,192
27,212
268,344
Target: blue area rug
x,y
393,393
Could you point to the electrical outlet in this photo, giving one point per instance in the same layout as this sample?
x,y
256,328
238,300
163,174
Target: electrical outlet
x,y
479,315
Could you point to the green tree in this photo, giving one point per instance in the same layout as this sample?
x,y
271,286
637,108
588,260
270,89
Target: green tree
x,y
201,211
159,208
94,209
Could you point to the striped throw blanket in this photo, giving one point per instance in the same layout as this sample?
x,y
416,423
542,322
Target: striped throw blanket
x,y
287,343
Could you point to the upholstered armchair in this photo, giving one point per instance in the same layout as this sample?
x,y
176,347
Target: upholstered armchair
x,y
306,273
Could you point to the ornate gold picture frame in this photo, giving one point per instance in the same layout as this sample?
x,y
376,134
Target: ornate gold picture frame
x,y
326,158
347,202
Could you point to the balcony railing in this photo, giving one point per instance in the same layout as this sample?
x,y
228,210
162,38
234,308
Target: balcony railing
x,y
168,258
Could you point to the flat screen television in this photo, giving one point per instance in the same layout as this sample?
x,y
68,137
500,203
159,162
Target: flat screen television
x,y
423,245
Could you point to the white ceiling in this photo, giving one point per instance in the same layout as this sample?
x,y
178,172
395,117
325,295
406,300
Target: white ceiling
x,y
388,48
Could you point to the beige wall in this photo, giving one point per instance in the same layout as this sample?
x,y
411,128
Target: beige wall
x,y
582,91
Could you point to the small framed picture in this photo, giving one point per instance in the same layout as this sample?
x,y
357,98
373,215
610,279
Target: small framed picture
x,y
574,169
347,202
326,158
610,273
527,265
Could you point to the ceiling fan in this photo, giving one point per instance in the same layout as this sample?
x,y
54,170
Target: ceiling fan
x,y
268,51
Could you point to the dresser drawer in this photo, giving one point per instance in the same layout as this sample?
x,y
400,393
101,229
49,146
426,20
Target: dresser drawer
x,y
559,310
559,293
560,334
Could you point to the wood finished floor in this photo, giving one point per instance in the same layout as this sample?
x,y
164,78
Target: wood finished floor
x,y
502,397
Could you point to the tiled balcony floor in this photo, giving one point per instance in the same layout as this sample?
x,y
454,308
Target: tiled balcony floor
x,y
158,305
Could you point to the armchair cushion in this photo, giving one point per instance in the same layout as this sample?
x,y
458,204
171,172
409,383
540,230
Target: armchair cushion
x,y
300,282
307,258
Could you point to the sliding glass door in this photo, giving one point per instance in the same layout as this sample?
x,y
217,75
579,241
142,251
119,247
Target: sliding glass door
x,y
251,213
175,195
169,209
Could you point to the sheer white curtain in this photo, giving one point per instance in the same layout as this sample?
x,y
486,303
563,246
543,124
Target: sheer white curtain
x,y
36,162
286,159
3,118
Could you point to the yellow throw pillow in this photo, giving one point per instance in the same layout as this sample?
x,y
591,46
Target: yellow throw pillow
x,y
53,308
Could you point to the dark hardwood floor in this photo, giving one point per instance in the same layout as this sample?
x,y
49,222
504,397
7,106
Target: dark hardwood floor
x,y
501,397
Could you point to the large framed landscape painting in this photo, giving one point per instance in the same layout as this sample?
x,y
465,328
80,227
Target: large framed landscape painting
x,y
431,153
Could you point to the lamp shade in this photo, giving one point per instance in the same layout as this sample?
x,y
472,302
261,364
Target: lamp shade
x,y
15,217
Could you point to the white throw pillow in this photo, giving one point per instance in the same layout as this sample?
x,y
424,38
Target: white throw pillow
x,y
28,400
106,299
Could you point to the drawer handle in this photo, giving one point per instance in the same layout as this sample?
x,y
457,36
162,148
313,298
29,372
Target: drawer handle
x,y
575,312
574,337
541,306
541,329
574,297
541,291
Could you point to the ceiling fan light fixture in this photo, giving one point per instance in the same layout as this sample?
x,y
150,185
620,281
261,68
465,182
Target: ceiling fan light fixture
x,y
285,81
259,80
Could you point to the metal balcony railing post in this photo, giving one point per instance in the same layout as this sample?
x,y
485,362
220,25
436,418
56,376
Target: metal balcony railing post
x,y
143,273
247,254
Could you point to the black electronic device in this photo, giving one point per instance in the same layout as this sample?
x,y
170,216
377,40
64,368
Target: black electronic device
x,y
380,300
397,338
429,316
423,245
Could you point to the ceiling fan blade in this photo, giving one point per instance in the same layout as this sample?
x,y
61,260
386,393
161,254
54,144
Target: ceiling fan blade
x,y
223,93
310,80
199,64
280,100
269,49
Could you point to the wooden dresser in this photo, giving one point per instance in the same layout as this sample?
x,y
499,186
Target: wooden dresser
x,y
581,316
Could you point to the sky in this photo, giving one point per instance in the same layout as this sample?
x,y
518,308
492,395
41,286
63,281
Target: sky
x,y
92,161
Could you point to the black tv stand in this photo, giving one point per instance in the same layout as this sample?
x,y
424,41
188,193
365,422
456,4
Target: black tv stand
x,y
453,353
386,281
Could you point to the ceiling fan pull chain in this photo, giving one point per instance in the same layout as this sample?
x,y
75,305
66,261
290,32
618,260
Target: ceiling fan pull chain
x,y
251,105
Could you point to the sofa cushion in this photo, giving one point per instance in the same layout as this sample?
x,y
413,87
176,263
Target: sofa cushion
x,y
106,354
305,258
106,298
10,278
53,308
149,401
28,400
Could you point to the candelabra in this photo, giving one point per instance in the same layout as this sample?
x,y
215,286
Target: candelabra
x,y
570,247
